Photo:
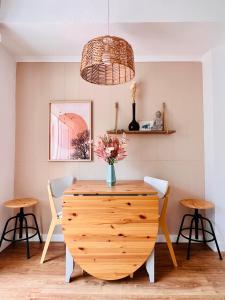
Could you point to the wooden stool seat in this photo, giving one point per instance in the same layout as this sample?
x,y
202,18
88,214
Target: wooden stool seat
x,y
196,203
20,203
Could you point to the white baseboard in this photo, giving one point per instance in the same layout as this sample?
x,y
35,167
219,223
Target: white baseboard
x,y
173,237
212,246
58,237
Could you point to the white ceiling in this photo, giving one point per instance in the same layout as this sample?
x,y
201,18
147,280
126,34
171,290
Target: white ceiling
x,y
44,29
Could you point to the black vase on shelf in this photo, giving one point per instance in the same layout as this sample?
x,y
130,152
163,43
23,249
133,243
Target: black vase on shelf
x,y
134,125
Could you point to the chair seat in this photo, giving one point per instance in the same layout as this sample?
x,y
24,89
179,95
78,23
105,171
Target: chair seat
x,y
21,203
196,203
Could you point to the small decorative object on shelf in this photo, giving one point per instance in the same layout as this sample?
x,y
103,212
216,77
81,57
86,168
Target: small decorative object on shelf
x,y
158,122
134,125
116,115
146,125
111,150
164,116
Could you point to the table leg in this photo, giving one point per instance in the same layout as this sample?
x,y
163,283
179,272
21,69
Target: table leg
x,y
69,265
150,267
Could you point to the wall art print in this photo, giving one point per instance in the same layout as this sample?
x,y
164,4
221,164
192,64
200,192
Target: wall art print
x,y
70,130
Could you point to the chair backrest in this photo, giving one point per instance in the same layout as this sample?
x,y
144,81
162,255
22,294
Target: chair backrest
x,y
56,187
59,185
161,186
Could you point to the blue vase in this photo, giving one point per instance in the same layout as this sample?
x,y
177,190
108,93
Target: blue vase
x,y
111,177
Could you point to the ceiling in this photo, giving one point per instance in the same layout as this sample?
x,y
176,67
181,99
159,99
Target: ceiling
x,y
44,30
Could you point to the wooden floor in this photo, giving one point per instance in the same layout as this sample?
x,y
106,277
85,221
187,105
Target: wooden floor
x,y
203,277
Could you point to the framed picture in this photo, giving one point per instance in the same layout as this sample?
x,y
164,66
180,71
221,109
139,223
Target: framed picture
x,y
146,125
70,130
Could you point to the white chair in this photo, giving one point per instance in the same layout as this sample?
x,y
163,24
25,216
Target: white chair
x,y
55,187
162,187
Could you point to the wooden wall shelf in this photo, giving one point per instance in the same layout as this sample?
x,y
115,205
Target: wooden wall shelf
x,y
120,131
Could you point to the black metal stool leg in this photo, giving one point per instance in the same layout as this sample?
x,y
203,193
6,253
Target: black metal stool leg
x,y
14,232
189,241
23,225
36,225
196,223
21,217
214,236
27,237
4,230
181,227
203,230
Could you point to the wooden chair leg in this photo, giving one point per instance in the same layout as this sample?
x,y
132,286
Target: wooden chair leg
x,y
48,240
168,241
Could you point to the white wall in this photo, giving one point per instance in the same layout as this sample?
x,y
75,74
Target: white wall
x,y
214,135
7,133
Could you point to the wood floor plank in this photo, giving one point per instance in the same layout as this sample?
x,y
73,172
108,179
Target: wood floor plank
x,y
203,277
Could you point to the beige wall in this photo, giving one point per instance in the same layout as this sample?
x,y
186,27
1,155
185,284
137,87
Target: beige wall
x,y
177,157
7,134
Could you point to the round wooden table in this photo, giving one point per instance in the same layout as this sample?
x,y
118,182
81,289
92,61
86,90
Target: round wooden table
x,y
111,234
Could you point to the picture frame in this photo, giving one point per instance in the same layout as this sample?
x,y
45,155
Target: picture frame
x,y
146,125
70,130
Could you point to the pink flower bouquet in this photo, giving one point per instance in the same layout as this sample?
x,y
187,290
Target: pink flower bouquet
x,y
111,149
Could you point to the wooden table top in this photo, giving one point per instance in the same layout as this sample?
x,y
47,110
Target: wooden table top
x,y
100,187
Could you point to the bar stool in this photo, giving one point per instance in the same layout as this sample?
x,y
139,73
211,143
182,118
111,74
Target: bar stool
x,y
21,217
197,204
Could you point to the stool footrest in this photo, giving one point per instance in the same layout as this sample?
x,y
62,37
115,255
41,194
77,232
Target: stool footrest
x,y
20,239
197,240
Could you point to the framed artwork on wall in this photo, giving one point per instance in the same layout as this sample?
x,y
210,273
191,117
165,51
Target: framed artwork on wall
x,y
70,129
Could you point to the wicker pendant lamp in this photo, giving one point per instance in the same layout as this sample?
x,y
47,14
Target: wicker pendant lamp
x,y
107,60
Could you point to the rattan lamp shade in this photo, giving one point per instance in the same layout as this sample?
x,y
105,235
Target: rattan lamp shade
x,y
107,60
